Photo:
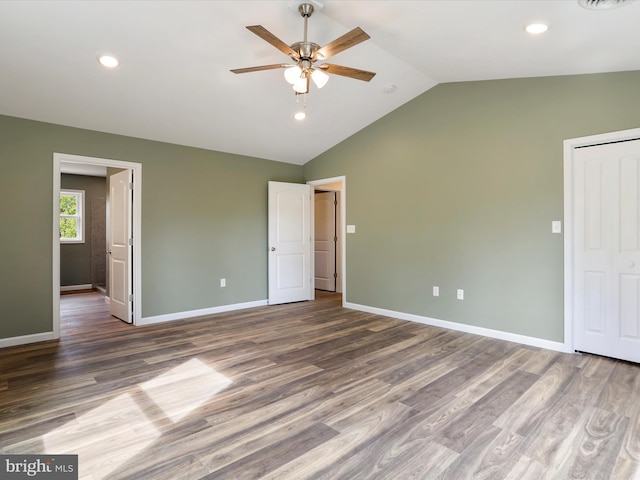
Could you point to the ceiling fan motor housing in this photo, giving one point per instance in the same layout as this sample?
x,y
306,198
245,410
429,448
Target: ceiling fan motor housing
x,y
306,50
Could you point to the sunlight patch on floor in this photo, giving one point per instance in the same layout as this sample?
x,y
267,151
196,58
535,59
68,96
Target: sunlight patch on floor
x,y
110,435
104,438
194,380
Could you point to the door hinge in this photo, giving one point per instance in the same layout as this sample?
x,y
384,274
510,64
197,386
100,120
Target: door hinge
x,y
335,203
131,297
131,242
335,239
131,186
335,274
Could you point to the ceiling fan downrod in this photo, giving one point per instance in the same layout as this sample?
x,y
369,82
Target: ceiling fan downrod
x,y
306,50
306,10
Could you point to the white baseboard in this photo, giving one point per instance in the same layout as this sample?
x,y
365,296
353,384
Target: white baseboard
x,y
486,332
25,339
71,288
201,312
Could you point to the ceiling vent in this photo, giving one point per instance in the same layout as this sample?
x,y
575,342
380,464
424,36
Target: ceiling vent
x,y
603,4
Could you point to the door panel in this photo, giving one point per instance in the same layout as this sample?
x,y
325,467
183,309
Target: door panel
x,y
629,288
289,242
120,305
607,250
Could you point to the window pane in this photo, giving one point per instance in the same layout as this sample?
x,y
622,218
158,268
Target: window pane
x,y
68,228
68,204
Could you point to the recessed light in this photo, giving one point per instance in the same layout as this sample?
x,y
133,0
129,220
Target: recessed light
x,y
300,116
536,28
108,61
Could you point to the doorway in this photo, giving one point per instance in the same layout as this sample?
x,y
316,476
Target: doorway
x,y
602,244
338,185
135,210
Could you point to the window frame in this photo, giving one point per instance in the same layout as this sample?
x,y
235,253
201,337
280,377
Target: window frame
x,y
79,216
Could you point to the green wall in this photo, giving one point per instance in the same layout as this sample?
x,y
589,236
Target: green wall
x,y
75,258
204,216
458,188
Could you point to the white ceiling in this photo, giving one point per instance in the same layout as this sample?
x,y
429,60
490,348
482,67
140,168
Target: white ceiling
x,y
174,84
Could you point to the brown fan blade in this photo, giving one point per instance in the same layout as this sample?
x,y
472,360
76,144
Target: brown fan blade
x,y
258,69
347,72
348,40
266,35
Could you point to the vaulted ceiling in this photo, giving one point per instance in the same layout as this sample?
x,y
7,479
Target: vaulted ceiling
x,y
173,83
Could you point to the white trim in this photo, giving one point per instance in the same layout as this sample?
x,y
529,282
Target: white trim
x,y
71,288
461,327
343,228
59,158
569,146
201,312
26,339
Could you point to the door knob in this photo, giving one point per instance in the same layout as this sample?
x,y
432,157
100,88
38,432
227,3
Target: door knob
x,y
273,249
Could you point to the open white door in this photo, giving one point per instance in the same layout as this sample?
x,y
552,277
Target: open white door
x,y
289,243
120,245
606,249
325,240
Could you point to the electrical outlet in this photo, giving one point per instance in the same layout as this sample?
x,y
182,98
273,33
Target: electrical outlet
x,y
460,294
436,291
223,282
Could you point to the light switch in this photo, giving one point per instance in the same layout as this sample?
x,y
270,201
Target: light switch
x,y
351,229
556,226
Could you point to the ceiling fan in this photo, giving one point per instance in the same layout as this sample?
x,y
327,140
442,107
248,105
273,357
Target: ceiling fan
x,y
305,54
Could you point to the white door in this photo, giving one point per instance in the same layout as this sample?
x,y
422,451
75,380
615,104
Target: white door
x,y
289,242
325,240
120,195
606,250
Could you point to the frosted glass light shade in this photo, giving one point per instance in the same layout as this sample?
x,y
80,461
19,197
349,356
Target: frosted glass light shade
x,y
292,74
319,78
301,85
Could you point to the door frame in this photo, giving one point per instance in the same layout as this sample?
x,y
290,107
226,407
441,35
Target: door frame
x,y
136,265
343,230
569,146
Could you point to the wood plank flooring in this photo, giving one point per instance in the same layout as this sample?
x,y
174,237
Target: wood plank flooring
x,y
313,391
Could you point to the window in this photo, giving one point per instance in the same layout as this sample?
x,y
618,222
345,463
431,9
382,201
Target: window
x,y
71,216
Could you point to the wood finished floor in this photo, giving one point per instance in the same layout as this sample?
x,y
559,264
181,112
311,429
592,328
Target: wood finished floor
x,y
313,391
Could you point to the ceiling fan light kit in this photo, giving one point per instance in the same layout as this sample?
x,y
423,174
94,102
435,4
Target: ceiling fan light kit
x,y
305,54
